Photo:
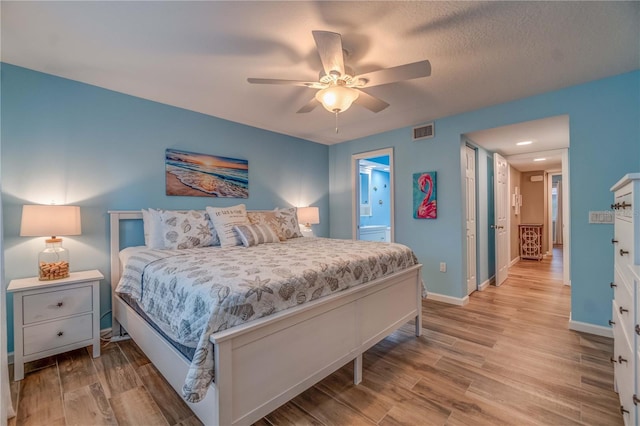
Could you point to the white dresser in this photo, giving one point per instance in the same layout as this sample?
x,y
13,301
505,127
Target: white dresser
x,y
51,317
626,300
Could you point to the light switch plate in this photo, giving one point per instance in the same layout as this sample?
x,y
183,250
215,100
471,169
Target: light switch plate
x,y
601,217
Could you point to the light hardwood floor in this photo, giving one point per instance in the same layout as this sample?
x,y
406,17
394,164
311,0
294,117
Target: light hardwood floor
x,y
506,358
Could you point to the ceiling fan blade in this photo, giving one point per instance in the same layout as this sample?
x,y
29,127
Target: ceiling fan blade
x,y
330,50
394,74
370,102
310,106
311,84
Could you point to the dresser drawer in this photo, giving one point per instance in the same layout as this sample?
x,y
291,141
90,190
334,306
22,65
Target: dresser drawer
x,y
623,306
623,249
55,334
622,356
624,195
56,304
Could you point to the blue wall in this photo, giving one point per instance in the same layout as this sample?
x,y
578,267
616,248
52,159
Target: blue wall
x,y
605,144
73,143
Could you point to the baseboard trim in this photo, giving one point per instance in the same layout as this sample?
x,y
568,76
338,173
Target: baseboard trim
x,y
514,261
487,283
585,327
448,299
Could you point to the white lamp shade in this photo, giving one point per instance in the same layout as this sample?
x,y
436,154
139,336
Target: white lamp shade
x,y
308,215
44,221
337,98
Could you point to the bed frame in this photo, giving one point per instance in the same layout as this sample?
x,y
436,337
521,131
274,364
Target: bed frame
x,y
263,364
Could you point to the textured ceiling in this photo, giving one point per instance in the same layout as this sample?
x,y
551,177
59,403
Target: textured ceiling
x,y
198,55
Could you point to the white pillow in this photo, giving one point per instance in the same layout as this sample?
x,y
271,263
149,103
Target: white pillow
x,y
183,230
152,223
146,223
224,219
252,235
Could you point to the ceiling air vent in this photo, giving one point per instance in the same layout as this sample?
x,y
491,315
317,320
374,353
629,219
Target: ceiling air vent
x,y
423,132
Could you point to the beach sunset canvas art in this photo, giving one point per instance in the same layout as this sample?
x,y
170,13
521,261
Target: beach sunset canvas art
x,y
201,175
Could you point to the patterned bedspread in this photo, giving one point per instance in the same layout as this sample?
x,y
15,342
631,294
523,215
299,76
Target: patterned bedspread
x,y
194,293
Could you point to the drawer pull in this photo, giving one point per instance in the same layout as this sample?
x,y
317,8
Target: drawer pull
x,y
615,206
621,360
623,411
623,310
623,252
59,304
635,399
614,241
60,333
624,205
613,360
614,323
613,285
638,329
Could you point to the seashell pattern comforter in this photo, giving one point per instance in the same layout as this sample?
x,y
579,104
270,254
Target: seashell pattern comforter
x,y
193,293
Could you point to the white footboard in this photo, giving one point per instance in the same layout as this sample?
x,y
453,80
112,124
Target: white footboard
x,y
261,366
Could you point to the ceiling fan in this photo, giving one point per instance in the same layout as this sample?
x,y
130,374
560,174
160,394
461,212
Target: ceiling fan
x,y
337,84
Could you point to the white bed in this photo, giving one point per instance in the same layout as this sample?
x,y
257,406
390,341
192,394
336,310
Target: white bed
x,y
300,346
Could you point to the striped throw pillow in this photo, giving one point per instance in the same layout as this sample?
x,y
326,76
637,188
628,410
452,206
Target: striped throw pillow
x,y
252,235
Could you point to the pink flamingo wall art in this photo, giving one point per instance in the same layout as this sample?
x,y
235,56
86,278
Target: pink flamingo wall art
x,y
424,195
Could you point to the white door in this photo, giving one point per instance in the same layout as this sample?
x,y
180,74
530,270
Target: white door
x,y
470,173
501,191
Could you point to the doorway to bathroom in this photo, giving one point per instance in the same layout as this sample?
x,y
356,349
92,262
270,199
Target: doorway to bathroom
x,y
372,180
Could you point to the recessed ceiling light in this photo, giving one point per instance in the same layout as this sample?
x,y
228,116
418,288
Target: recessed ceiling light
x,y
525,143
539,159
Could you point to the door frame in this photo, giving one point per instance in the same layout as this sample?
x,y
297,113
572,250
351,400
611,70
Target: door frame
x,y
469,147
507,226
566,220
355,189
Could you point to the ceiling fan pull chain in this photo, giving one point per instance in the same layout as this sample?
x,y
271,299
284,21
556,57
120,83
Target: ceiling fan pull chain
x,y
336,121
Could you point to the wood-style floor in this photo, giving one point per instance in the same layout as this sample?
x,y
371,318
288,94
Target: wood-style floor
x,y
507,358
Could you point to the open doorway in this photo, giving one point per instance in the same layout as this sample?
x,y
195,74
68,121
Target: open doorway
x,y
373,201
532,150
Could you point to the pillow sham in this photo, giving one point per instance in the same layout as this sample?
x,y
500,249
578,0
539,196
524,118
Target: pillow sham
x,y
188,229
224,219
152,223
252,235
288,220
267,217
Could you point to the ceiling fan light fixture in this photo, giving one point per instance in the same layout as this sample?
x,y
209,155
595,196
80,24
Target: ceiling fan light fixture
x,y
337,98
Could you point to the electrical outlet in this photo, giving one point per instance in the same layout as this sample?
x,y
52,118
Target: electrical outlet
x,y
443,267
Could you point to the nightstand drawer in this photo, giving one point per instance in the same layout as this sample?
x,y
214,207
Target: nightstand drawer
x,y
56,304
55,334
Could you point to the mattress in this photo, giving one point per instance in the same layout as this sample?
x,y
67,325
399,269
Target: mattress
x,y
193,293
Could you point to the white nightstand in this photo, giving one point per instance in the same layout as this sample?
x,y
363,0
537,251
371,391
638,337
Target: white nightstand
x,y
51,317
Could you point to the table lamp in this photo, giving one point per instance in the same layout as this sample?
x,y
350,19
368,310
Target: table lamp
x,y
308,216
51,221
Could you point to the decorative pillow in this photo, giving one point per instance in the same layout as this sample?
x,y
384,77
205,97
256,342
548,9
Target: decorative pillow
x,y
288,220
182,230
252,235
152,223
267,217
224,219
